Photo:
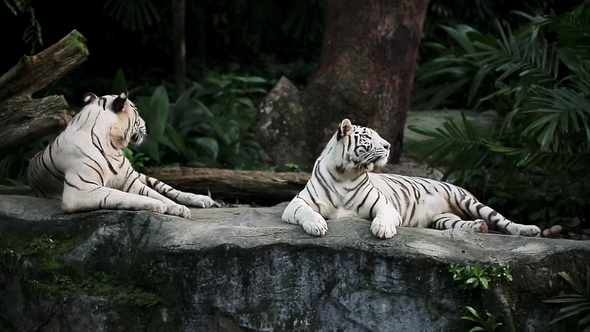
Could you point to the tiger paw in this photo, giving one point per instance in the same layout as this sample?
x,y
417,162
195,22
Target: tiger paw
x,y
480,226
156,206
383,229
178,210
315,225
200,201
526,230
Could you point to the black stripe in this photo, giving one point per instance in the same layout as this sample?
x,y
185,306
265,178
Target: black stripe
x,y
374,203
71,185
87,181
358,208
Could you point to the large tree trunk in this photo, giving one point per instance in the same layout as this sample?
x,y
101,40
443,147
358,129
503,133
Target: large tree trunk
x,y
24,120
179,46
365,73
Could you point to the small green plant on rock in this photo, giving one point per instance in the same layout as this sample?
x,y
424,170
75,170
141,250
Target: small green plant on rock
x,y
489,324
293,167
578,302
471,277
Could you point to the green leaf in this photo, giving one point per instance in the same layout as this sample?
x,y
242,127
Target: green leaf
x,y
250,79
157,112
484,283
150,147
477,328
119,83
177,141
459,35
209,145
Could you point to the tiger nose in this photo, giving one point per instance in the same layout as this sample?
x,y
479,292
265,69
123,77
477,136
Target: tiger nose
x,y
386,145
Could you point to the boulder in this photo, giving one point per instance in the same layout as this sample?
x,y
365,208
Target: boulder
x,y
243,269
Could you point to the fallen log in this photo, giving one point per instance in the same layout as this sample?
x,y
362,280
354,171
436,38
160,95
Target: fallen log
x,y
232,186
24,120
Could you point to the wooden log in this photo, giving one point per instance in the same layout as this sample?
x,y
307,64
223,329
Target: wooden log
x,y
24,120
231,186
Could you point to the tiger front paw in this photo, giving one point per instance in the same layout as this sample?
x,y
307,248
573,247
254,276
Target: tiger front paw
x,y
200,201
156,206
178,210
383,229
315,225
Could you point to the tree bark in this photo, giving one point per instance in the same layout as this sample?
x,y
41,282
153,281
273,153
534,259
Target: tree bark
x,y
24,120
179,46
262,188
365,73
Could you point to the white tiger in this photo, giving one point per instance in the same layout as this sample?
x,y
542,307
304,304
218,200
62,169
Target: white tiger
x,y
86,166
342,185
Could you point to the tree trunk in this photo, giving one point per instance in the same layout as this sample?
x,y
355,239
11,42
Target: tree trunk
x,y
365,73
24,120
179,46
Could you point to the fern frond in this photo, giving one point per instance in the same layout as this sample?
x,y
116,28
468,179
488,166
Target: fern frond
x,y
465,146
560,114
572,29
520,52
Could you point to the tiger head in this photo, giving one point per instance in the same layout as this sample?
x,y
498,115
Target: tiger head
x,y
361,148
125,125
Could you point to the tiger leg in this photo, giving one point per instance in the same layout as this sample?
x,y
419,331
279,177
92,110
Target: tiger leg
x,y
387,218
138,188
495,220
449,220
80,195
200,201
300,212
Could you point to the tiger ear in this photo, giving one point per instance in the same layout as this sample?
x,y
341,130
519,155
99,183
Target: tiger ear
x,y
119,102
89,97
345,129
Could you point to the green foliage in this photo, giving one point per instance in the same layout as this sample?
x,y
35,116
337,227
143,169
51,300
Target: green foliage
x,y
469,277
132,14
32,34
209,125
293,167
489,324
541,87
102,284
578,302
137,159
42,244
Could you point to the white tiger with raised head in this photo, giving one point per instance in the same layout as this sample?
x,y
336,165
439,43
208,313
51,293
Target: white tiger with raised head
x,y
86,166
342,185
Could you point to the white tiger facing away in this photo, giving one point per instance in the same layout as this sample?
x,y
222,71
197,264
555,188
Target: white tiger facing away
x,y
86,166
342,185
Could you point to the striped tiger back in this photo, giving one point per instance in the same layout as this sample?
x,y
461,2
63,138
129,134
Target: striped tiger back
x,y
87,167
342,185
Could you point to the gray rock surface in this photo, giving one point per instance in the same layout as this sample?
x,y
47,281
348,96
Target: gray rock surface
x,y
242,269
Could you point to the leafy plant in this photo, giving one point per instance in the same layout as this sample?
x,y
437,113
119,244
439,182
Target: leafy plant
x,y
473,277
42,244
32,34
209,124
137,159
293,167
541,88
488,324
578,302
